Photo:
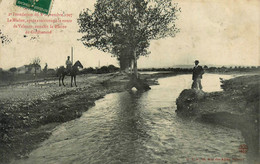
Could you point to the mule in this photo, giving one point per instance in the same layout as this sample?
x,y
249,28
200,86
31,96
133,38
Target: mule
x,y
62,72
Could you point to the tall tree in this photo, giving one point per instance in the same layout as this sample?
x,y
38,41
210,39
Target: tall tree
x,y
126,27
36,64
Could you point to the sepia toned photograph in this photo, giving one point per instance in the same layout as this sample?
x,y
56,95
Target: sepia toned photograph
x,y
129,81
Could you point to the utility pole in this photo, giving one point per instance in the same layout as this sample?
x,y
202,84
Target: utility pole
x,y
72,55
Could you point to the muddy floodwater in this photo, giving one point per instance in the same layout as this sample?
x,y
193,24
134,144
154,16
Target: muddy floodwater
x,y
141,128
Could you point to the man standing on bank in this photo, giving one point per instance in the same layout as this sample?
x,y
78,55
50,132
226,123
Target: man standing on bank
x,y
197,76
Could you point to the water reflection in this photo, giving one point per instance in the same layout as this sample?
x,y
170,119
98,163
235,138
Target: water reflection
x,y
128,130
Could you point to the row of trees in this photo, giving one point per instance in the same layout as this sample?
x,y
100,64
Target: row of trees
x,y
112,68
232,69
208,69
103,69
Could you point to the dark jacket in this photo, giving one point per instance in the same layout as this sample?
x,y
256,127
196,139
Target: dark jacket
x,y
197,72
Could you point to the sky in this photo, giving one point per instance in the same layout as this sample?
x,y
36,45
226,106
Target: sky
x,y
215,32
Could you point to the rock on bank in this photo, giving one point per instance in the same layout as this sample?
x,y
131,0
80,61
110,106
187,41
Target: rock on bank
x,y
236,107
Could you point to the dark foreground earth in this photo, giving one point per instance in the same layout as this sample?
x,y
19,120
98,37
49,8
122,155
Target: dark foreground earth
x,y
29,111
236,107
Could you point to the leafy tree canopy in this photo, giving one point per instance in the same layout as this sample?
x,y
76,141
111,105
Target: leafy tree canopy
x,y
123,26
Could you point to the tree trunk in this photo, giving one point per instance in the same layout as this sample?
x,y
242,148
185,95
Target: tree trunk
x,y
131,64
124,64
135,81
34,72
135,65
127,61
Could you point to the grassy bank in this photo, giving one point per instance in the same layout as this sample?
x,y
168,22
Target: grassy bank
x,y
236,107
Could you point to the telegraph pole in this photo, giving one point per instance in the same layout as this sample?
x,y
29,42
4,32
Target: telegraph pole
x,y
72,55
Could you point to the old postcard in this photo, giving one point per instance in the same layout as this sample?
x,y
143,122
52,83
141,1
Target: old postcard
x,y
129,81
